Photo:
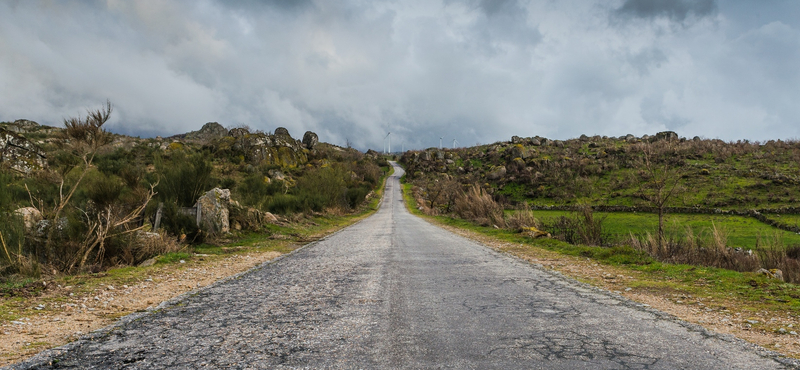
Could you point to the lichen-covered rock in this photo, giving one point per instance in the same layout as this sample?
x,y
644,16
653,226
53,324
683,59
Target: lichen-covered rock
x,y
19,153
496,172
518,151
213,208
310,140
534,233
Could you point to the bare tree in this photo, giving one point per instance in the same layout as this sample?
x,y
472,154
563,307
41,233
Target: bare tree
x,y
660,181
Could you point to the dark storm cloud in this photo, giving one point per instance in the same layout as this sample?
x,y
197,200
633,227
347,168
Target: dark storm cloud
x,y
675,10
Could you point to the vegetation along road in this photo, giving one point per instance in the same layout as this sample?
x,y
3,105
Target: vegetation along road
x,y
394,291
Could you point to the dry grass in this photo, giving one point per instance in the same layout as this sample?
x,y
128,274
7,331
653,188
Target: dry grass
x,y
522,219
710,249
478,206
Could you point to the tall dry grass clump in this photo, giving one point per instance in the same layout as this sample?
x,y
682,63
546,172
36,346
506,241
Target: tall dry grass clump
x,y
710,248
522,219
478,206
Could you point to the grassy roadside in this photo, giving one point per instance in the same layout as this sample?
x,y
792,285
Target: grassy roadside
x,y
740,231
752,307
36,315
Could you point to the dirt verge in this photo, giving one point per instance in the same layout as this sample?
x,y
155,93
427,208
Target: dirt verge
x,y
63,313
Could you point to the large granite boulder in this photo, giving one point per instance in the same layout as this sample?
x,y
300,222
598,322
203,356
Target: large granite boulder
x,y
213,209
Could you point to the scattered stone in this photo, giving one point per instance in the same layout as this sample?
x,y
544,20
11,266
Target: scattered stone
x,y
496,172
149,262
772,273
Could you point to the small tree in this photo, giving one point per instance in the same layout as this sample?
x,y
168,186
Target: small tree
x,y
660,181
84,137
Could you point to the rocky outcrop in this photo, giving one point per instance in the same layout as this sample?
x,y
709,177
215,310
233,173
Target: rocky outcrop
x,y
209,132
19,153
374,154
213,209
310,140
282,132
281,150
667,135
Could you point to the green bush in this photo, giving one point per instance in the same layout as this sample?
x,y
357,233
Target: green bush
x,y
356,196
183,178
177,223
103,189
255,191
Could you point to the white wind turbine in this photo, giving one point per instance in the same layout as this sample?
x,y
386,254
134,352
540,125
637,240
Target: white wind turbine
x,y
454,143
384,143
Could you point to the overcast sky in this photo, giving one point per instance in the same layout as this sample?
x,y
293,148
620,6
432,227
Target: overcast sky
x,y
476,71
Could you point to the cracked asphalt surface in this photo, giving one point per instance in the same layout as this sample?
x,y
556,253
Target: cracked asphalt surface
x,y
394,291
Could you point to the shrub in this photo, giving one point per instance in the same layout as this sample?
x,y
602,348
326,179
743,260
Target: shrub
x,y
180,224
255,190
579,228
183,178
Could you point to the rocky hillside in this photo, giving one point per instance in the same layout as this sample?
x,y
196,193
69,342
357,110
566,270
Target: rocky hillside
x,y
79,196
610,171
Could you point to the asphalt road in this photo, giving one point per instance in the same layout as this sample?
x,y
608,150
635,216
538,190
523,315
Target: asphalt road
x,y
394,291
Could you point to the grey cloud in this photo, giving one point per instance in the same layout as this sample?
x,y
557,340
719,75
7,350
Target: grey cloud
x,y
675,10
476,71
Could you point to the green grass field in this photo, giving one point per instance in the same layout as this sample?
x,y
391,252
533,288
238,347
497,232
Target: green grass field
x,y
741,231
